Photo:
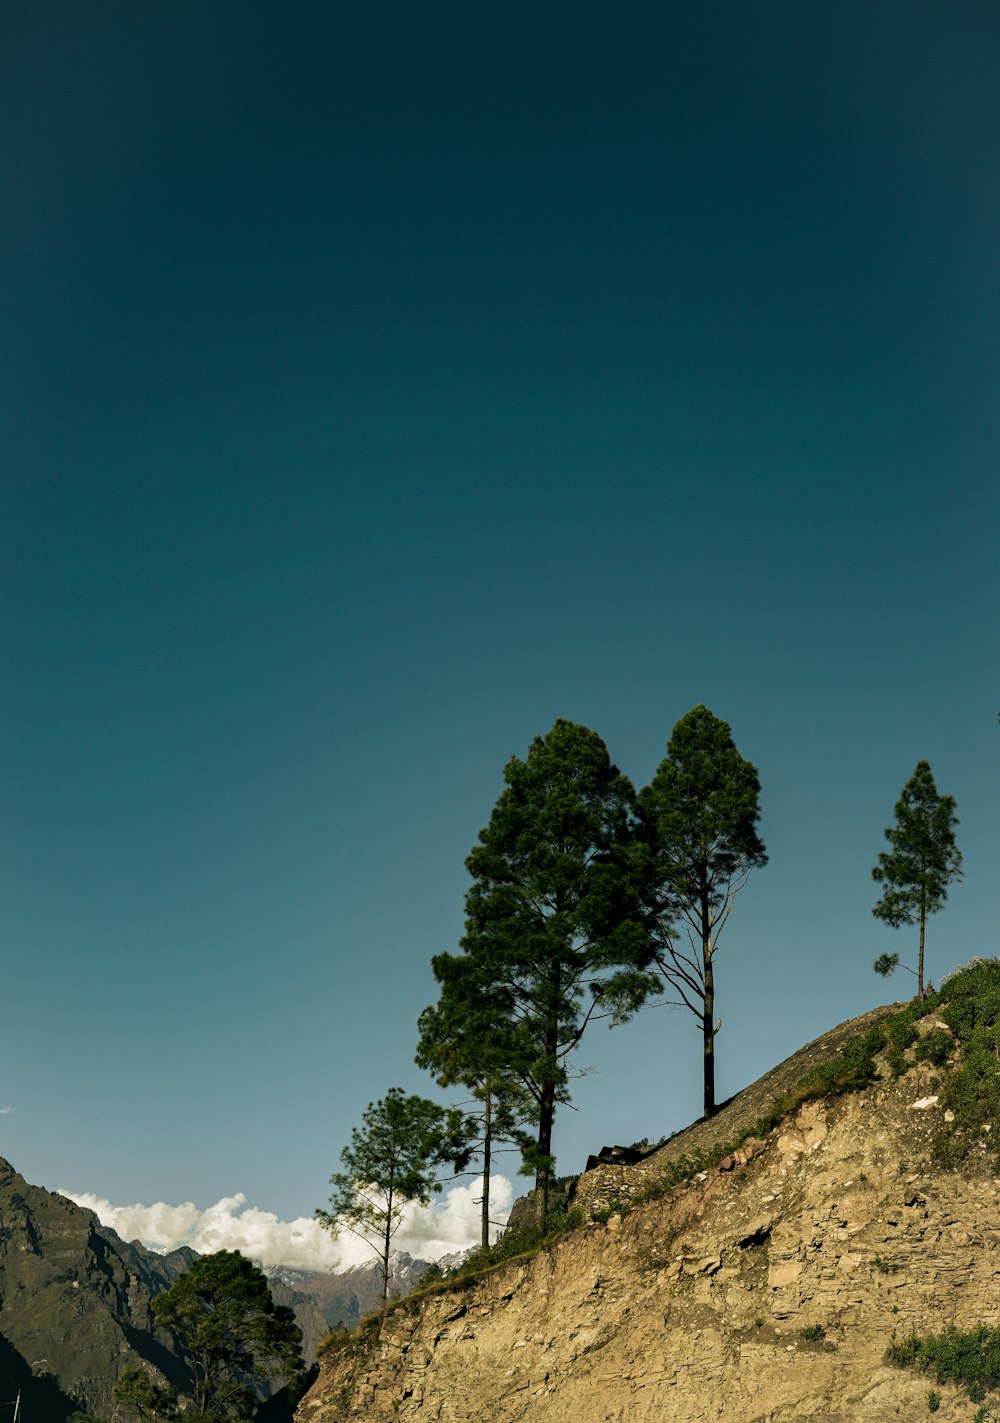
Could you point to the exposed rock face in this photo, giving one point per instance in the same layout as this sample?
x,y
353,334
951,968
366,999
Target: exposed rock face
x,y
606,1181
693,1306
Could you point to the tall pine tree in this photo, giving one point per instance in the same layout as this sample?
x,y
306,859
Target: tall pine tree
x,y
552,915
699,818
922,861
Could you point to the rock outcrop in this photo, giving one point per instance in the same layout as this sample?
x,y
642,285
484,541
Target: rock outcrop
x,y
767,1288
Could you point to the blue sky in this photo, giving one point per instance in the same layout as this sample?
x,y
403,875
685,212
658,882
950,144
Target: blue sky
x,y
379,385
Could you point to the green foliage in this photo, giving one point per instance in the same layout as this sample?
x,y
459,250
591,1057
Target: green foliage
x,y
933,1400
699,819
900,1032
853,1070
886,964
552,916
394,1159
885,1267
604,1214
237,1340
935,1048
970,1358
813,1333
135,1390
969,1002
922,861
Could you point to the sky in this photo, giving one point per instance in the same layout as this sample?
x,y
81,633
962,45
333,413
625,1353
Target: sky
x,y
379,384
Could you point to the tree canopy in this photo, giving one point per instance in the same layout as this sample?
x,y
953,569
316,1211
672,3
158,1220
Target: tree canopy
x,y
921,862
552,916
699,825
237,1340
394,1158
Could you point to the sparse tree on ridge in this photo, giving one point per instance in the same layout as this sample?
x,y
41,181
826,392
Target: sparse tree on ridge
x,y
552,917
392,1160
699,823
922,861
468,1038
234,1335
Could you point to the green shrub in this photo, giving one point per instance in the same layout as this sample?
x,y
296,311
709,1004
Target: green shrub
x,y
936,1047
604,1214
933,1400
900,1032
813,1333
953,1356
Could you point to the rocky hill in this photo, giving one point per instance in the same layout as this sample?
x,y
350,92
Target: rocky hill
x,y
75,1305
767,1286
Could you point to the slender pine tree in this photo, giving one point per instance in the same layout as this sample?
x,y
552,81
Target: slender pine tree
x,y
699,817
922,861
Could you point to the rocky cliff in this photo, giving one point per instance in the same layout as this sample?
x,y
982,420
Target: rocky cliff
x,y
765,1288
74,1304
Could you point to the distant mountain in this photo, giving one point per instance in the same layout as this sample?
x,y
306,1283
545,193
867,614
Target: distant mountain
x,y
345,1297
76,1304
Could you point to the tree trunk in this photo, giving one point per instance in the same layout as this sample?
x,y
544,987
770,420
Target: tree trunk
x,y
543,1169
547,1099
487,1163
920,955
708,1007
385,1250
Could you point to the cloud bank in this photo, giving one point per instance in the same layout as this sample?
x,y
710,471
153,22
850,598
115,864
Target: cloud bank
x,y
427,1232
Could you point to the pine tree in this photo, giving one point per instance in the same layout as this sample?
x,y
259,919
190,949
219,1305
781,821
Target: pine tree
x,y
392,1160
234,1335
699,818
552,917
469,1037
923,860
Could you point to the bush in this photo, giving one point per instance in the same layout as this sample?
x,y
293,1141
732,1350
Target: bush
x,y
953,1356
813,1333
936,1047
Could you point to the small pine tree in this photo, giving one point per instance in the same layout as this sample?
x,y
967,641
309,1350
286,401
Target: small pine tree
x,y
392,1160
922,861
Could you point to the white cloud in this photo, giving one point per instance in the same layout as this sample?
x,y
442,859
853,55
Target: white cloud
x,y
5,1111
302,1244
